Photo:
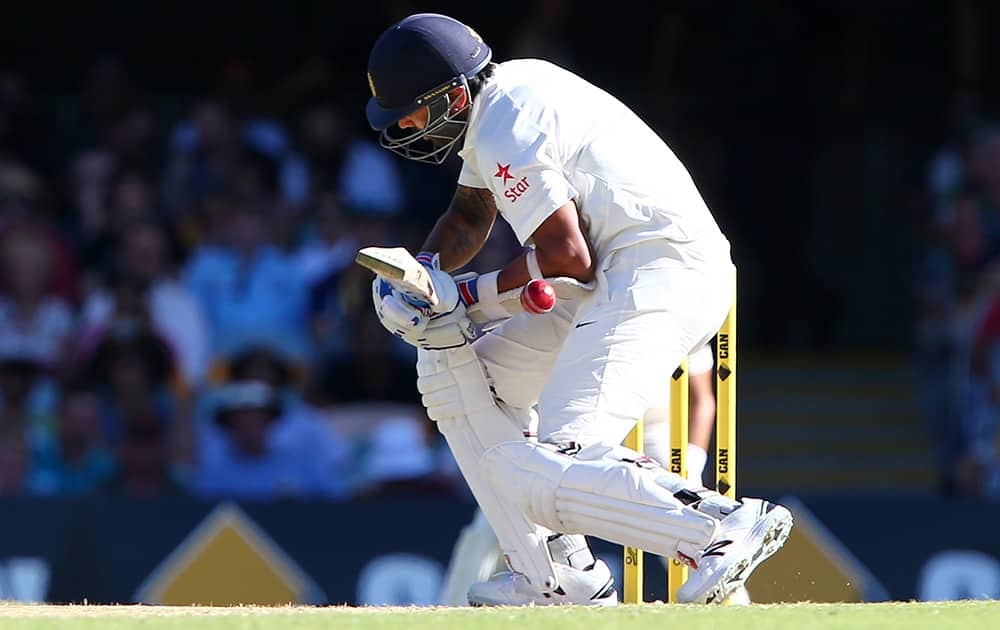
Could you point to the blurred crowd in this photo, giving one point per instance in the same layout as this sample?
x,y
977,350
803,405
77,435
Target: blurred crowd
x,y
180,311
958,294
179,308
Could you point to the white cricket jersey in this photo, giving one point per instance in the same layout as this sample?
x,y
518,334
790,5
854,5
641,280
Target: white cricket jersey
x,y
539,136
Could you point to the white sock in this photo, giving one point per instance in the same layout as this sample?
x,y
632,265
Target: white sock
x,y
696,460
656,437
658,451
572,550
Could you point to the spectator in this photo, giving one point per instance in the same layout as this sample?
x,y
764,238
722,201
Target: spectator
x,y
399,461
250,291
27,408
369,182
326,252
216,144
329,243
145,466
322,134
264,364
254,449
205,154
131,367
76,461
133,200
89,184
132,139
353,165
29,308
948,166
959,294
177,317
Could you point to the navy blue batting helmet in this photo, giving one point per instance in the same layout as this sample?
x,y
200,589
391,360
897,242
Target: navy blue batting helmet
x,y
418,62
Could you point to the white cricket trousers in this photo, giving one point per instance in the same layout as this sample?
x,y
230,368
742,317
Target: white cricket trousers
x,y
594,367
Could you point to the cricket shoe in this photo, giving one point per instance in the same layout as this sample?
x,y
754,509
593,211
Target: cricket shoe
x,y
747,536
591,587
739,597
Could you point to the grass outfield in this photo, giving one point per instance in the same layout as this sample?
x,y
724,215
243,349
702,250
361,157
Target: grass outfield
x,y
770,617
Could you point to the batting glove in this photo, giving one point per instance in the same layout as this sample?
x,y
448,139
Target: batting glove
x,y
418,325
444,285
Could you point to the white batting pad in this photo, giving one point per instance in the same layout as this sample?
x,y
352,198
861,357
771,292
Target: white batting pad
x,y
612,493
453,382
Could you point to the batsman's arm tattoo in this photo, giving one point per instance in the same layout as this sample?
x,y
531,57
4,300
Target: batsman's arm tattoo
x,y
463,228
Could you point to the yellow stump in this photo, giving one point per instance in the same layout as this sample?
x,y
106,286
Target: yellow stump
x,y
677,572
633,556
725,450
725,421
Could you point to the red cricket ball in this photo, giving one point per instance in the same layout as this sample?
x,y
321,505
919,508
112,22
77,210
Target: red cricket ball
x,y
538,297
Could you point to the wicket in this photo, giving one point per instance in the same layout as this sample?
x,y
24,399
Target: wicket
x,y
725,448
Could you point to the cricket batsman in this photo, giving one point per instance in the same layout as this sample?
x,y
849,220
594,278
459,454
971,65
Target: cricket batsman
x,y
535,409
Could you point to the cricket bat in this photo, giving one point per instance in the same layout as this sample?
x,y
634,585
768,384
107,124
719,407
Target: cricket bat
x,y
399,266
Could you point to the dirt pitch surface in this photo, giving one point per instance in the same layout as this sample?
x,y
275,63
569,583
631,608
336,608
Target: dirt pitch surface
x,y
938,616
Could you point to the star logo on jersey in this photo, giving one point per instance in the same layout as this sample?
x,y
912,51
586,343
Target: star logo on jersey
x,y
503,171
